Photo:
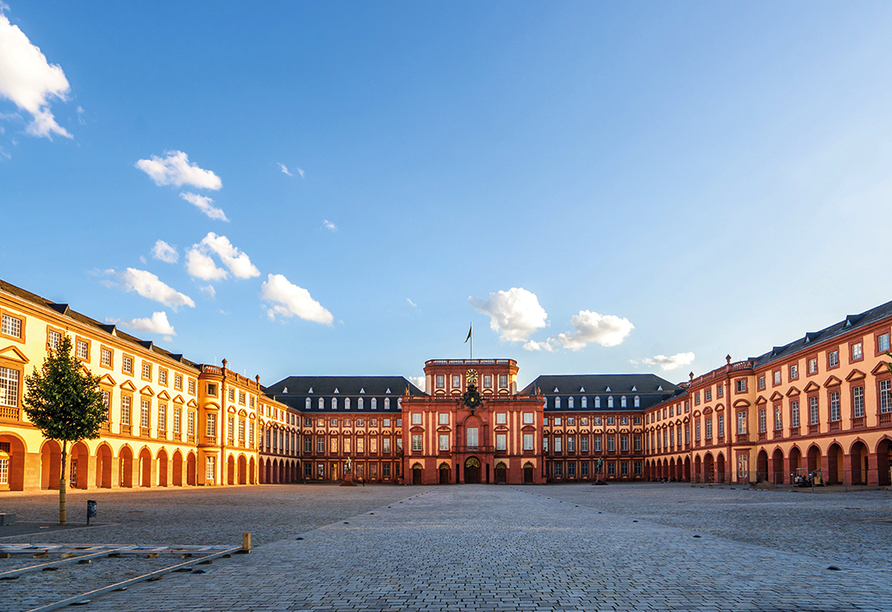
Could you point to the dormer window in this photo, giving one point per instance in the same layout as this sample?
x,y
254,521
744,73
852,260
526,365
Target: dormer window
x,y
597,401
584,402
610,401
622,401
570,402
557,403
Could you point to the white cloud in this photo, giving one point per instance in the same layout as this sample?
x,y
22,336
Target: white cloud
x,y
606,330
150,286
300,172
418,381
290,300
209,292
200,264
204,204
157,324
532,345
285,169
411,303
165,252
175,169
670,363
515,313
329,225
29,80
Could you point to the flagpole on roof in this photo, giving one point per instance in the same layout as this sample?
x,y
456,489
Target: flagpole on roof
x,y
471,338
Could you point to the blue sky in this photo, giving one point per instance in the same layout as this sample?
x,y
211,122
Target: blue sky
x,y
594,185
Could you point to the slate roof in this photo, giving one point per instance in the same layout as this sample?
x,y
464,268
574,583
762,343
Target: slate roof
x,y
850,323
295,389
649,388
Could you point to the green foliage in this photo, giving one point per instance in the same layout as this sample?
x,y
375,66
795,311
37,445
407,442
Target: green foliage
x,y
63,400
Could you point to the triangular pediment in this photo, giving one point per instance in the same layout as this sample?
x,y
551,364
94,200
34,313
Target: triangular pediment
x,y
811,386
833,381
128,385
105,379
164,396
761,400
855,375
192,404
881,368
147,390
14,354
178,399
776,396
792,391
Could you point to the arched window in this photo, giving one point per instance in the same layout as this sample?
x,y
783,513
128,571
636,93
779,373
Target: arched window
x,y
374,403
399,403
386,403
346,403
569,402
334,403
597,402
359,403
637,402
584,402
307,404
557,403
321,403
610,401
622,401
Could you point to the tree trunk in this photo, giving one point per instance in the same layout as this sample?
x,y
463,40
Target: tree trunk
x,y
63,512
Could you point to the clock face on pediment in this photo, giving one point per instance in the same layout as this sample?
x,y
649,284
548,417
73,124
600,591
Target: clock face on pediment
x,y
471,377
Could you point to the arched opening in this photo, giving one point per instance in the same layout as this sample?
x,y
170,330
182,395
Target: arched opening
x,y
527,473
125,468
722,472
230,470
708,468
178,469
698,468
794,464
242,470
859,461
79,466
814,461
104,466
472,470
145,468
191,469
444,473
501,473
672,474
777,466
762,466
12,464
835,465
162,468
687,469
884,462
251,471
50,465
417,474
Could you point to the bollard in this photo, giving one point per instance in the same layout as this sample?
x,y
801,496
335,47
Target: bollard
x,y
91,510
246,542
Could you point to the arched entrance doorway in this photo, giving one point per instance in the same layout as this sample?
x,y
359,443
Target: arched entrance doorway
x,y
145,468
472,471
708,468
104,467
125,472
242,470
777,466
79,466
501,473
444,473
251,471
762,466
884,462
859,463
12,463
814,460
178,469
417,474
50,465
687,469
794,464
835,465
162,468
698,473
721,469
230,470
191,469
527,473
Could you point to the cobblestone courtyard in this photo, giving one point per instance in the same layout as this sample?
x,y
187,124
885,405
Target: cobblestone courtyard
x,y
570,547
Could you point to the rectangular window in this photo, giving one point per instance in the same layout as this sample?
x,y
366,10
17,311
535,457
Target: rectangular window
x,y
472,436
813,413
778,418
857,402
697,430
127,364
210,468
813,365
558,444
177,419
308,445
794,372
583,444
624,443
82,349
741,385
611,469
320,445
191,386
528,442
707,395
741,423
53,339
720,419
584,469
416,442
624,468
231,395
501,442
333,443
440,381
12,326
385,470
145,414
9,387
719,390
857,353
833,359
611,444
763,420
558,470
487,381
503,381
885,396
190,423
212,389
501,418
162,417
456,381
761,382
146,370
211,425
528,418
571,470
241,398
385,445
178,382
777,377
596,443
882,343
416,418
610,420
571,444
443,418
230,429
444,442
794,413
347,449
834,406
709,428
637,468
162,376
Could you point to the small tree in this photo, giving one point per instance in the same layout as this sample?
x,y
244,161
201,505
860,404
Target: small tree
x,y
63,401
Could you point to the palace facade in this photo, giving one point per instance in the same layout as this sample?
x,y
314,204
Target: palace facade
x,y
816,410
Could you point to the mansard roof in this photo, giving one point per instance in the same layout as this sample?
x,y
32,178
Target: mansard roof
x,y
600,384
850,323
343,386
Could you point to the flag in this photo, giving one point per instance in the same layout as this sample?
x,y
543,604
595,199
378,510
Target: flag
x,y
470,331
